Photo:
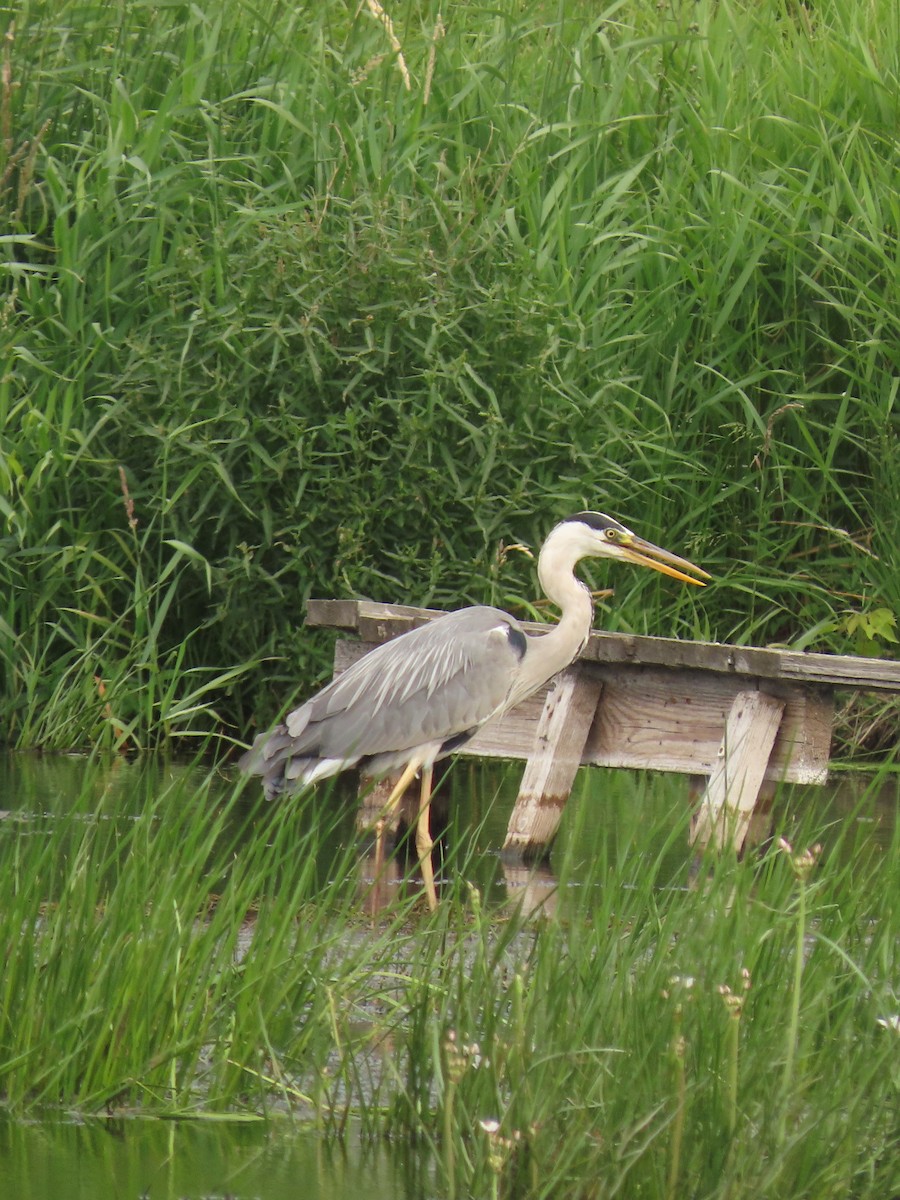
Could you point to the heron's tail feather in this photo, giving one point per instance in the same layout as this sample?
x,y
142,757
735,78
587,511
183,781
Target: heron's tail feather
x,y
284,766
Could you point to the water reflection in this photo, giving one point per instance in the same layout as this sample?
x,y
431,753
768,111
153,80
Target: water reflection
x,y
144,1159
531,888
609,813
614,817
610,810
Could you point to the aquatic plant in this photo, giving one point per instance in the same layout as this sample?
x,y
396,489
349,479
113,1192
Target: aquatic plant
x,y
175,948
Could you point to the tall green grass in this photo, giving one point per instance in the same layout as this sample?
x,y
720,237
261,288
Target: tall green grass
x,y
166,941
175,949
346,336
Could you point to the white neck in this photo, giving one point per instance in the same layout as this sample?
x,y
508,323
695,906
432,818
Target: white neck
x,y
550,652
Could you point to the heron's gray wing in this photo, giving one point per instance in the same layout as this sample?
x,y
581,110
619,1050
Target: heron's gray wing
x,y
437,681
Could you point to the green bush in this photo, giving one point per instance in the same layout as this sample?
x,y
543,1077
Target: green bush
x,y
346,337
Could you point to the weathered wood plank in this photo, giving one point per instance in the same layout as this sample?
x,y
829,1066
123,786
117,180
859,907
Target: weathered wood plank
x,y
378,622
673,721
374,794
333,614
562,730
659,719
726,809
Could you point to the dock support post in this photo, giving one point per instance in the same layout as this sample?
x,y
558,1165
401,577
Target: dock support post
x,y
562,732
726,808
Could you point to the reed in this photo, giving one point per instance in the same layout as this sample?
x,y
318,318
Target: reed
x,y
175,948
355,294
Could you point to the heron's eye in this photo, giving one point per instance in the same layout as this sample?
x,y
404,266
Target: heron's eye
x,y
612,535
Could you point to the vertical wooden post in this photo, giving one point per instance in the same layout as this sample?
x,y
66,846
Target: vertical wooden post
x,y
532,888
374,793
726,808
562,731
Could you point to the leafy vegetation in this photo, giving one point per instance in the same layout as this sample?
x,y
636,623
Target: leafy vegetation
x,y
174,949
343,299
337,299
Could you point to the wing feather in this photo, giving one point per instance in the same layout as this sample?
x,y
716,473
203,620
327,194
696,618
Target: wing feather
x,y
432,683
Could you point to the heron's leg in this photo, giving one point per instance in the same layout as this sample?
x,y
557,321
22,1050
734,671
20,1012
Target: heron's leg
x,y
391,803
424,844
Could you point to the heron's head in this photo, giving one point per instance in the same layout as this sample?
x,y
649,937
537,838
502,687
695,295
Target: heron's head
x,y
595,535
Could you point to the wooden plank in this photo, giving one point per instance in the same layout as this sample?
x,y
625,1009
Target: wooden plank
x,y
562,731
726,809
373,796
659,719
333,614
760,827
378,622
667,720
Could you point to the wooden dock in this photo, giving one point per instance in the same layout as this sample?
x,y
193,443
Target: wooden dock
x,y
740,717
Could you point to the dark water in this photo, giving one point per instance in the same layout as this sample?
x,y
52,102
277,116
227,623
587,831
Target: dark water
x,y
610,814
194,1160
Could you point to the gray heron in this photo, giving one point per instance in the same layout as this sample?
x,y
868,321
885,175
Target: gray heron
x,y
423,695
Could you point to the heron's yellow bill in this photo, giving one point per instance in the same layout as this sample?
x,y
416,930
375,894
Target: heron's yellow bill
x,y
645,554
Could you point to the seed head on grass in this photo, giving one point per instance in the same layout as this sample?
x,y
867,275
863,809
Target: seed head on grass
x,y
681,989
500,1148
128,499
680,986
459,1058
439,32
734,1004
802,862
734,1001
383,18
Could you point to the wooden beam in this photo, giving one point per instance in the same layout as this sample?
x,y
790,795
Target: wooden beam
x,y
658,719
726,809
562,730
377,622
664,720
665,703
333,614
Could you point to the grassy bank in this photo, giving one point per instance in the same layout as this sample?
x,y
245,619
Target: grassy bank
x,y
191,953
297,300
